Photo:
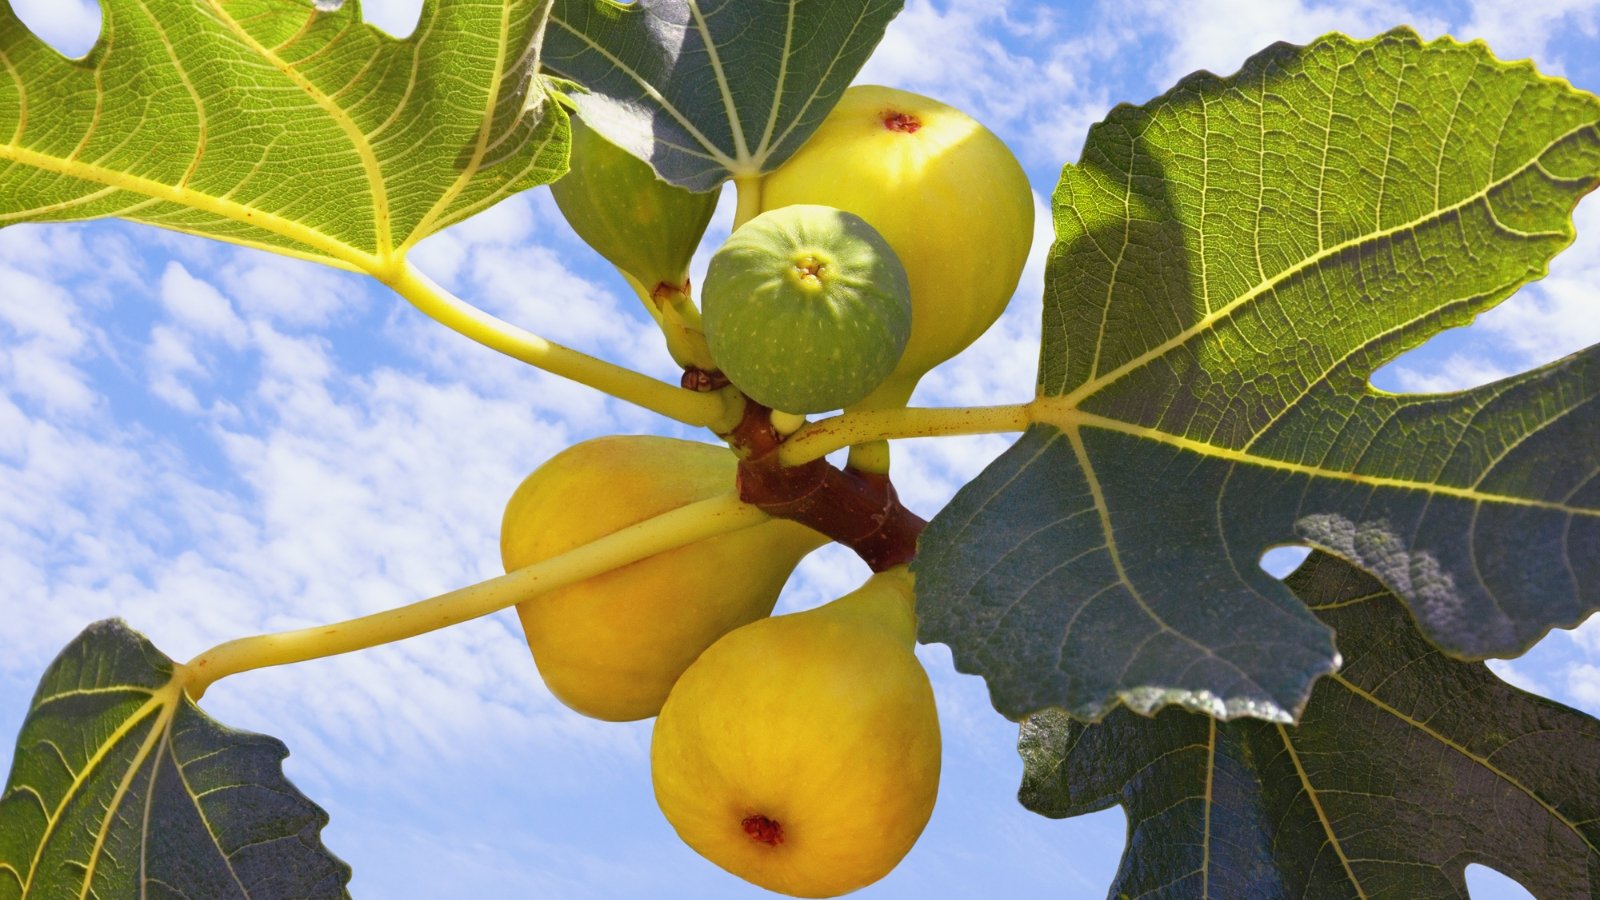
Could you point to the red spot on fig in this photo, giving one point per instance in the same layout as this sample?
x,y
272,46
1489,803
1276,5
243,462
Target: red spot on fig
x,y
899,121
763,830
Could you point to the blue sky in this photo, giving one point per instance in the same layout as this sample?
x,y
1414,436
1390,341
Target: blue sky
x,y
212,442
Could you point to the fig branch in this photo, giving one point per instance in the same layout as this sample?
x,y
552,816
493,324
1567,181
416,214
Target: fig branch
x,y
717,411
697,521
860,510
852,429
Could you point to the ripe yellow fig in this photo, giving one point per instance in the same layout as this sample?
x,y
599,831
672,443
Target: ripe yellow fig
x,y
612,646
801,752
947,195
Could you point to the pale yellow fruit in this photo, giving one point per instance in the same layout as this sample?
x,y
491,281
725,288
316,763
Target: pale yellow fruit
x,y
801,752
947,195
612,646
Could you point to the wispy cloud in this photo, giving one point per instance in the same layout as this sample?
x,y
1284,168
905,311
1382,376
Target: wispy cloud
x,y
1219,35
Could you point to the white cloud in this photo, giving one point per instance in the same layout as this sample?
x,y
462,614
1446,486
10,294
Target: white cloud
x,y
70,26
43,340
1457,372
1518,30
398,17
291,292
199,306
1518,676
1219,35
1583,686
1587,635
170,357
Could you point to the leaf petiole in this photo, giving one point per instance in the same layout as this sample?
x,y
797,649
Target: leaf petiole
x,y
698,521
863,427
748,191
717,411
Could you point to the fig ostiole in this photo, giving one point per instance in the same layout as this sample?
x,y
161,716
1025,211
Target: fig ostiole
x,y
802,752
947,195
612,646
647,228
806,309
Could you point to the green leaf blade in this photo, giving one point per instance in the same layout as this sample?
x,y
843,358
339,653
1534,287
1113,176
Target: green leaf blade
x,y
1406,767
122,787
1036,512
707,90
1233,261
271,124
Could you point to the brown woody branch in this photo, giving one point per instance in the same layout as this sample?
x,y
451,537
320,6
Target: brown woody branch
x,y
858,509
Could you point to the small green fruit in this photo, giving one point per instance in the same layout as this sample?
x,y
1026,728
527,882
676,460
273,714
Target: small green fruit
x,y
945,192
644,226
807,308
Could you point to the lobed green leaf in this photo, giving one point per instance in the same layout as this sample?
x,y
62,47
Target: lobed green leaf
x,y
274,124
122,787
1233,260
1406,767
707,90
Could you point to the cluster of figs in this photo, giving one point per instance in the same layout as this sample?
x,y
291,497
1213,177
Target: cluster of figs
x,y
799,752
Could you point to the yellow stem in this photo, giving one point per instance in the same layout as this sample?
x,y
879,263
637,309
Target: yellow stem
x,y
894,393
679,320
821,438
695,522
748,189
714,411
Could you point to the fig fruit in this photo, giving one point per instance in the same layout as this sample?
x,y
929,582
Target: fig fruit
x,y
802,752
807,309
947,195
647,228
611,646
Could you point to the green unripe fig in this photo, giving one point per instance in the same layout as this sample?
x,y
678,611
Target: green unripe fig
x,y
801,752
611,646
807,309
647,228
947,195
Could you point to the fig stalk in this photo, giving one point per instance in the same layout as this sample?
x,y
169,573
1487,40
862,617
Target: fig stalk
x,y
720,515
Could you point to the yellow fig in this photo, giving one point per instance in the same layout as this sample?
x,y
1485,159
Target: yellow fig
x,y
801,753
611,646
947,195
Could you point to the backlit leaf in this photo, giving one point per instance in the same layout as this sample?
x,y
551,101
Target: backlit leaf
x,y
273,124
1233,260
121,787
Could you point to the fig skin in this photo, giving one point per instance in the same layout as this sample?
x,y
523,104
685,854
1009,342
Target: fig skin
x,y
612,646
647,228
802,752
946,193
807,309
